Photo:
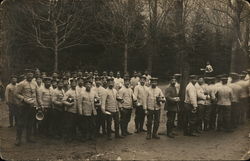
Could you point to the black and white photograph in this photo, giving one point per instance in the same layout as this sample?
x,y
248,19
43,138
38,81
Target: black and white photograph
x,y
124,80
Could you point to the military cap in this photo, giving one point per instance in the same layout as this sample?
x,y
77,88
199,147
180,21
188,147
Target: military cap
x,y
29,70
88,81
206,78
54,80
79,78
65,78
13,76
224,78
177,75
60,81
232,74
110,79
244,72
74,72
241,75
154,79
143,77
126,78
193,76
97,78
47,79
73,80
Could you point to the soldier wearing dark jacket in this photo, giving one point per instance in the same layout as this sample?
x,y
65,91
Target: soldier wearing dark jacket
x,y
171,106
27,95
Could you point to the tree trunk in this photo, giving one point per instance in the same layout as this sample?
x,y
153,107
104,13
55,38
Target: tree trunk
x,y
239,56
150,62
56,59
153,34
125,58
56,48
181,40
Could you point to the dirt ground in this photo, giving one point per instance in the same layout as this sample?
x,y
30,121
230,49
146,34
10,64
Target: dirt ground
x,y
210,145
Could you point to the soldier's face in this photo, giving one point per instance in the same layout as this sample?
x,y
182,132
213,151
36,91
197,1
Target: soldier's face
x,y
98,83
154,84
65,83
47,84
173,82
80,83
201,81
79,74
111,84
60,85
29,76
13,80
88,86
73,85
54,84
142,81
126,83
193,81
38,81
54,75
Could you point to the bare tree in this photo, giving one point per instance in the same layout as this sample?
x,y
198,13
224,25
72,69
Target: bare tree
x,y
55,24
232,15
118,20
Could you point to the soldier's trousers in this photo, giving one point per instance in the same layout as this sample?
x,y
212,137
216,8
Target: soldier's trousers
x,y
115,117
170,121
235,114
243,109
47,122
200,116
70,125
180,116
100,122
12,114
90,126
125,119
224,117
214,112
57,122
207,116
153,116
26,118
189,119
139,117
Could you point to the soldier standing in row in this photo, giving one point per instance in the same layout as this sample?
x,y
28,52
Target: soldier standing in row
x,y
27,94
126,93
202,96
70,102
224,96
154,99
45,102
140,95
190,107
86,107
57,100
110,108
10,99
172,106
235,107
100,120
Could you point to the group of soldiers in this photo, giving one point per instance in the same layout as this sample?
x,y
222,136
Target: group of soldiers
x,y
86,104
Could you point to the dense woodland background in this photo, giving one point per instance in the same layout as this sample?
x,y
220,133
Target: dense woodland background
x,y
163,36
